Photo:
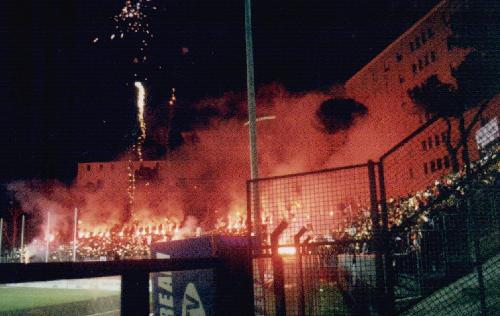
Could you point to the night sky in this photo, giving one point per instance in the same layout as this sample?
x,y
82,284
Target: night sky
x,y
65,99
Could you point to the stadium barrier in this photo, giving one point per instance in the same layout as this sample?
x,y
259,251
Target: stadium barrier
x,y
135,276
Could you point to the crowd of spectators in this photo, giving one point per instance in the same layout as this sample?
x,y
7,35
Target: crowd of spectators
x,y
405,215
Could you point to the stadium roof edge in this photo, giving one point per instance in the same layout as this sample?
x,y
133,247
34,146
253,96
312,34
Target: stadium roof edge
x,y
400,37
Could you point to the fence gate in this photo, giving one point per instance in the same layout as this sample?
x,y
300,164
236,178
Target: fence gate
x,y
317,243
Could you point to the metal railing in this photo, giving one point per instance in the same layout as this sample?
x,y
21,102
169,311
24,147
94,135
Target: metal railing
x,y
135,296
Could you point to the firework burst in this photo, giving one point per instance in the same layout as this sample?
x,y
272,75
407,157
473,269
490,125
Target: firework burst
x,y
133,18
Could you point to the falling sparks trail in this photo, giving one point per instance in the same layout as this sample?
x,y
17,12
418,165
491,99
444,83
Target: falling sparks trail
x,y
137,147
141,97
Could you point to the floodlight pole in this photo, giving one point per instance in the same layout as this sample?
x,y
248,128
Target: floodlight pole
x,y
75,227
252,116
1,235
252,132
47,237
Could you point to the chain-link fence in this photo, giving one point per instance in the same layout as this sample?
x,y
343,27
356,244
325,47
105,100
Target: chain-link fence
x,y
416,233
317,251
440,190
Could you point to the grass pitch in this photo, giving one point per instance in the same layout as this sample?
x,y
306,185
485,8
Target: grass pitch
x,y
24,298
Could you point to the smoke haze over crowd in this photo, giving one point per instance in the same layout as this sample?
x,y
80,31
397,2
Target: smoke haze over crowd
x,y
214,162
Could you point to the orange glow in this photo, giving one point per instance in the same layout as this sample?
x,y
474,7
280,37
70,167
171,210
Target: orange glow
x,y
287,251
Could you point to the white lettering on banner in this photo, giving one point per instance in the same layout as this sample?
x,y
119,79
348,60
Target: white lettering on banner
x,y
165,281
165,290
191,303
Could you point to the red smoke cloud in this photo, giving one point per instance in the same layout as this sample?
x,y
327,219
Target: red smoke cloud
x,y
216,165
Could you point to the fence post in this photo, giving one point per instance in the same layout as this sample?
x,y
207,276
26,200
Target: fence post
x,y
446,249
255,241
383,239
420,266
301,306
278,270
1,235
135,294
478,258
234,283
474,227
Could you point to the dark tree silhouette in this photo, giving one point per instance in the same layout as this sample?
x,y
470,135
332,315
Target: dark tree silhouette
x,y
440,100
474,27
337,115
450,103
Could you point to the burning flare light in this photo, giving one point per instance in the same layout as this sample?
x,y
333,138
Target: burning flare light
x,y
287,251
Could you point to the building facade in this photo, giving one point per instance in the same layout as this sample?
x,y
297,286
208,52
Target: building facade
x,y
115,173
419,52
423,50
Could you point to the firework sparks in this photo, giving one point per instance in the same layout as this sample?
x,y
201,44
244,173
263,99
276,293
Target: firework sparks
x,y
173,98
132,18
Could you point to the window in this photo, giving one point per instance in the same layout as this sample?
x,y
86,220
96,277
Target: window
x,y
424,145
424,37
399,57
446,160
433,166
433,56
386,66
429,141
439,164
426,171
420,64
417,42
436,139
414,68
430,33
88,167
112,167
426,59
443,137
101,167
401,79
412,46
411,173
